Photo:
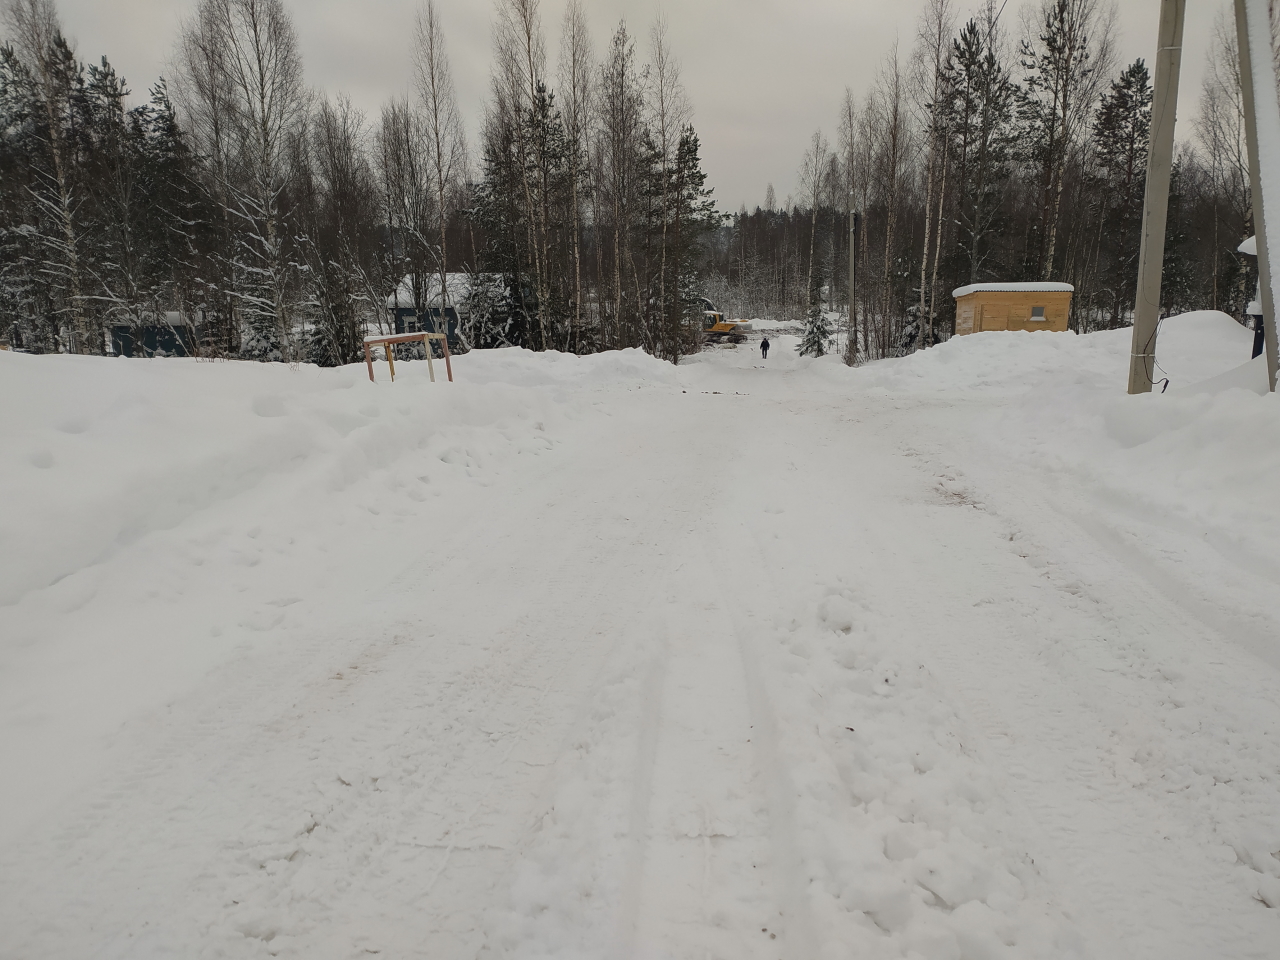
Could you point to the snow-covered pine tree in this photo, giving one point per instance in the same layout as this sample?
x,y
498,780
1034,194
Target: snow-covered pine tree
x,y
126,276
695,219
1121,130
53,80
182,229
817,332
979,115
23,300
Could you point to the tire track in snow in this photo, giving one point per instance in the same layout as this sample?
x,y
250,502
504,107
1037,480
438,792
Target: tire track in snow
x,y
899,844
657,844
638,826
404,731
705,888
792,882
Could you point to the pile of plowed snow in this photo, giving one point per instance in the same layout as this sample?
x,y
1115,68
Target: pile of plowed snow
x,y
164,516
1191,348
1204,452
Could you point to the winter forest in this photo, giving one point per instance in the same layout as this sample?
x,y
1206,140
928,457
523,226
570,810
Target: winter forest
x,y
999,148
274,222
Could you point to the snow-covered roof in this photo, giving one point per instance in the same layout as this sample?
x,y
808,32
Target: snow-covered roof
x,y
1031,287
459,289
1249,248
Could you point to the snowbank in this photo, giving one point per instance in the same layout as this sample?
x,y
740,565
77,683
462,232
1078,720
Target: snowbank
x,y
1191,348
1183,475
163,517
1202,451
98,454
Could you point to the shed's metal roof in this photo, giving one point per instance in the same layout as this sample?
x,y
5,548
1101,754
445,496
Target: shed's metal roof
x,y
1031,287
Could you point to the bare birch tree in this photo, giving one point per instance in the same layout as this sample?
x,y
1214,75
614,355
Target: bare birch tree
x,y
1068,53
847,146
891,125
408,196
813,169
35,31
933,39
241,63
670,114
518,77
577,88
204,96
445,143
621,126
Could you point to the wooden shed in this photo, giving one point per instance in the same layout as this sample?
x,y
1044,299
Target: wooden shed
x,y
1012,306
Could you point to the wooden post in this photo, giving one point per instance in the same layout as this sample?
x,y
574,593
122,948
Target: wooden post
x,y
389,344
448,363
1155,213
1258,90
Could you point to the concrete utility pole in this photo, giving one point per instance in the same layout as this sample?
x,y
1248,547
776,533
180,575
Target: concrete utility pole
x,y
1155,213
1261,111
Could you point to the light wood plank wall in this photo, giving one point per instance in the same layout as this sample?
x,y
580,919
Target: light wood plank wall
x,y
990,310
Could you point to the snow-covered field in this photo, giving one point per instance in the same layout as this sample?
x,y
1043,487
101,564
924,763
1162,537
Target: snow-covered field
x,y
966,655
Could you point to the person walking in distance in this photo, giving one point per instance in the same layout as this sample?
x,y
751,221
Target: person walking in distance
x,y
764,349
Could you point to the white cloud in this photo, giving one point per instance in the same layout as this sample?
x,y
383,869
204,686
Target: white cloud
x,y
762,74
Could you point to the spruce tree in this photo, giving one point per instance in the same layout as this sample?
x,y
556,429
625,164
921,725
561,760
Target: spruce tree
x,y
1121,133
817,332
504,221
695,219
979,114
182,229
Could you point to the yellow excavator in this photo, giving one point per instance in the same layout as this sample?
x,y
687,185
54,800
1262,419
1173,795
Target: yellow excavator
x,y
716,328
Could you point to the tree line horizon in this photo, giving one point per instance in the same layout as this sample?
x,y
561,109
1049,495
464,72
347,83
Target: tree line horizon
x,y
276,222
1009,146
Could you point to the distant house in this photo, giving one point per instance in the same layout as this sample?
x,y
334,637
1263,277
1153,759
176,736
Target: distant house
x,y
405,317
1012,306
167,334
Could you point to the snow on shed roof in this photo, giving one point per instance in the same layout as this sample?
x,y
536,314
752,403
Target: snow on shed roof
x,y
1249,248
459,289
1013,288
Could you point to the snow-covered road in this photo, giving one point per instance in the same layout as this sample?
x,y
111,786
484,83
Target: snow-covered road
x,y
615,660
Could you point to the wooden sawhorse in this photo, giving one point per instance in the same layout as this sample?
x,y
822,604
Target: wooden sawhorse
x,y
388,344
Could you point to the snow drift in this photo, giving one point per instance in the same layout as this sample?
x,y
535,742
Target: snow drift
x,y
961,655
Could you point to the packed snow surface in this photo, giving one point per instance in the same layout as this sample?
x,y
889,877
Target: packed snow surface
x,y
965,655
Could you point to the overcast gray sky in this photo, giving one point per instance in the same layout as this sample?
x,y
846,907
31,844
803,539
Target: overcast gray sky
x,y
762,74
